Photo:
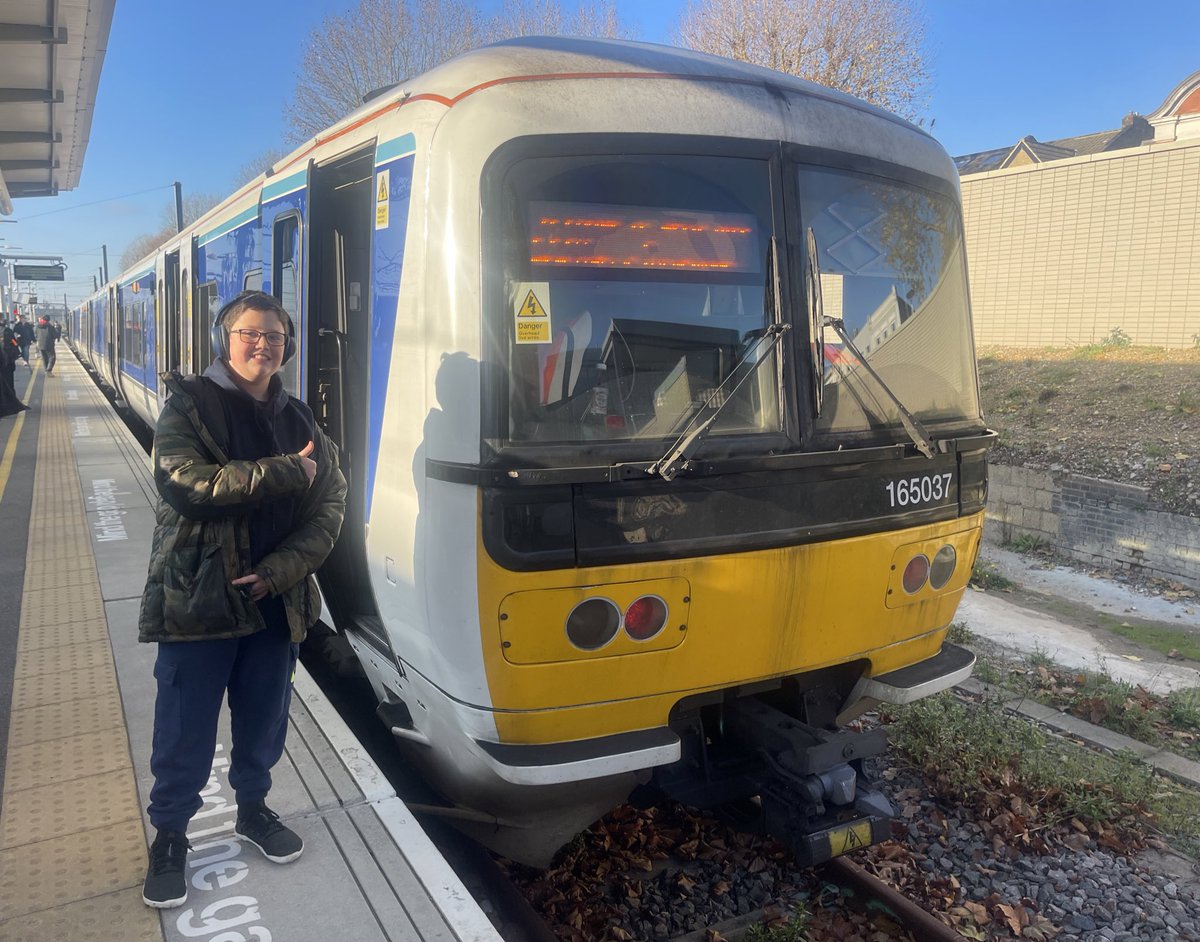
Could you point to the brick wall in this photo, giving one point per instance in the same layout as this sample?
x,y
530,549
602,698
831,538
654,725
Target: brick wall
x,y
1064,252
1100,523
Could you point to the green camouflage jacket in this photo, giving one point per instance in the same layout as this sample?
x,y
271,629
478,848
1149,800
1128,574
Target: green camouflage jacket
x,y
202,533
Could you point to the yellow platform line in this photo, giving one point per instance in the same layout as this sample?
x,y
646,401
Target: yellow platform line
x,y
72,841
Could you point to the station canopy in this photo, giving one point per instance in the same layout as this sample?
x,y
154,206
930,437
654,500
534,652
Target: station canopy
x,y
51,53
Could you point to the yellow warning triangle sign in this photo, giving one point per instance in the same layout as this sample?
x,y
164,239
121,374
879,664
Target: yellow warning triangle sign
x,y
383,190
532,307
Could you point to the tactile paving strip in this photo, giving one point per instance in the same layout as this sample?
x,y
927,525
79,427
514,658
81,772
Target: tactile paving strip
x,y
94,628
72,842
61,760
79,804
63,576
62,870
71,657
56,606
115,916
64,719
39,689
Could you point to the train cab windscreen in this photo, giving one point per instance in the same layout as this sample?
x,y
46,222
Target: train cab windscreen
x,y
633,287
889,260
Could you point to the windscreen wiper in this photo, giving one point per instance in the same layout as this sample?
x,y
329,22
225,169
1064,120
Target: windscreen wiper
x,y
678,457
912,425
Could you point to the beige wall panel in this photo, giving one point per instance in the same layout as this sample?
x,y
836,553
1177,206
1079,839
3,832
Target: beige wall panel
x,y
1067,252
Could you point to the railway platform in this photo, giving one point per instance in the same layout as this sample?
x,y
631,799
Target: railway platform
x,y
76,710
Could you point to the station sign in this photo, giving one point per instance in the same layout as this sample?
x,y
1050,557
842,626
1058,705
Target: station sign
x,y
38,272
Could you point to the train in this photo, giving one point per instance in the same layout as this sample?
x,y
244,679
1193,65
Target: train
x,y
654,380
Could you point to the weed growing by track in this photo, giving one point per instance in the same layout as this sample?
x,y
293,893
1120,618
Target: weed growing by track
x,y
1032,787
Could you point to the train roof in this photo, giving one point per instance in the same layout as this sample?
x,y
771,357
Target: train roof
x,y
531,58
528,58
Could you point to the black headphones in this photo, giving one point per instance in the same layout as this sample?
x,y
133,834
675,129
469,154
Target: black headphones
x,y
219,336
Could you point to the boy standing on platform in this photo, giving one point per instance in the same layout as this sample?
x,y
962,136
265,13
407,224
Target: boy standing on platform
x,y
250,504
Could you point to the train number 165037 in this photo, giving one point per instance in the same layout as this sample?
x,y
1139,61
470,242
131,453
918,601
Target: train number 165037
x,y
920,489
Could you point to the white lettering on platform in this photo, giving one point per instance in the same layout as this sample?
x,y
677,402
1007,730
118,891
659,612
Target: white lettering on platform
x,y
81,427
108,524
216,866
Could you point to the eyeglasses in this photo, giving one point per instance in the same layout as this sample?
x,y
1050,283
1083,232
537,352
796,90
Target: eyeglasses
x,y
274,337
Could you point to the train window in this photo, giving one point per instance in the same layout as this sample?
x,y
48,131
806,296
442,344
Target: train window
x,y
285,276
133,328
253,280
633,286
208,303
890,260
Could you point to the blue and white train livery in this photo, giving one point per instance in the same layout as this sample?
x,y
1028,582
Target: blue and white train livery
x,y
654,380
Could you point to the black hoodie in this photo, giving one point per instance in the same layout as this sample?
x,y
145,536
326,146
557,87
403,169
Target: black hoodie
x,y
280,426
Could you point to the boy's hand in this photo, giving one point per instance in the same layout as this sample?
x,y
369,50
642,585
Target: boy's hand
x,y
253,586
309,466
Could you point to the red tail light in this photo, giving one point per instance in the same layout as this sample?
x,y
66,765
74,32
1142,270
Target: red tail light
x,y
645,617
915,574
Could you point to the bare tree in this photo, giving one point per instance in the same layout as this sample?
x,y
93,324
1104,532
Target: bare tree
x,y
382,42
378,43
143,245
871,49
259,163
195,205
548,18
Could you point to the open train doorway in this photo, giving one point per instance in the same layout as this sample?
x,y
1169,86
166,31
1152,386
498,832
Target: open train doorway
x,y
339,292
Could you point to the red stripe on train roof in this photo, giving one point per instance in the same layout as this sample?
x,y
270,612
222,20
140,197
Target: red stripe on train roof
x,y
511,79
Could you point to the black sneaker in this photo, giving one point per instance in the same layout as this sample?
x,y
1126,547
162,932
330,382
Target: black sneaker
x,y
261,827
166,885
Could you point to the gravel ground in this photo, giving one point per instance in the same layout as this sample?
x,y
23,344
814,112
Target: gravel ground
x,y
659,885
1085,891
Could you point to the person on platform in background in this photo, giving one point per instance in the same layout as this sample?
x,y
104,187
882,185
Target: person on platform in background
x,y
47,334
24,332
10,350
251,501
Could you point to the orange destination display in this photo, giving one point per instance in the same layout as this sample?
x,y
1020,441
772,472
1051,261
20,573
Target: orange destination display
x,y
600,235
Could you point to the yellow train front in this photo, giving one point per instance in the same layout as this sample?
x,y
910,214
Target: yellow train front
x,y
681,464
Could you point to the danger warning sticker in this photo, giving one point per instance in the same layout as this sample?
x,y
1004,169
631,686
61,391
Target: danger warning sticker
x,y
532,312
383,194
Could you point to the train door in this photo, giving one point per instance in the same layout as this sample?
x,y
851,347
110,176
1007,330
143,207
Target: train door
x,y
187,345
166,314
115,325
339,271
284,211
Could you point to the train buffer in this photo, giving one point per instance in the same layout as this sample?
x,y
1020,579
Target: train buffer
x,y
76,712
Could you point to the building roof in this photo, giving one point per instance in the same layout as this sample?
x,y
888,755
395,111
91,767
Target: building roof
x,y
51,54
1177,118
1134,130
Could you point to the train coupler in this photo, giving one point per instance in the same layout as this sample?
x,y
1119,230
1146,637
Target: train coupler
x,y
865,822
815,796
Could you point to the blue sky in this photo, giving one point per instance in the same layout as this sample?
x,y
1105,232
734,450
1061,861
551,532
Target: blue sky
x,y
189,92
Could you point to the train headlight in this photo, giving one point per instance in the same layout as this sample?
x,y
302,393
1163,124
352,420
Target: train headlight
x,y
943,567
593,623
645,617
915,574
